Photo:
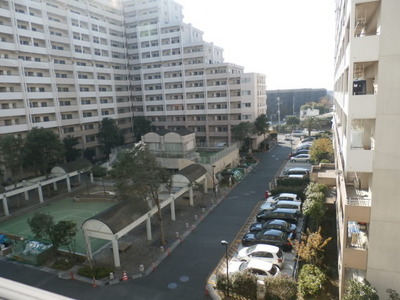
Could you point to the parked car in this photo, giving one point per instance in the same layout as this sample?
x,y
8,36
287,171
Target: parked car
x,y
258,267
283,196
305,146
297,133
268,253
271,237
288,137
300,158
273,224
297,171
303,151
310,138
288,214
281,204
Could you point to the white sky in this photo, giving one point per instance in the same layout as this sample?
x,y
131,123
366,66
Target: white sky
x,y
290,41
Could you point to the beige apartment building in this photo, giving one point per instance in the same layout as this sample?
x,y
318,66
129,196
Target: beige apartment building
x,y
180,81
66,65
366,131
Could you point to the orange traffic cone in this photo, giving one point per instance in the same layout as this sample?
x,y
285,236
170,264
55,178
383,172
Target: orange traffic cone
x,y
124,277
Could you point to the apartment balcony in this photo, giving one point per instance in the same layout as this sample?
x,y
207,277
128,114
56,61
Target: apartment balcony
x,y
217,99
42,110
360,159
66,81
37,80
40,95
11,96
363,106
66,94
10,79
355,258
194,78
89,106
69,108
50,124
197,89
212,88
65,67
217,111
6,29
12,112
14,129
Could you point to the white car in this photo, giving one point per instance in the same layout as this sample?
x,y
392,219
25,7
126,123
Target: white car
x,y
256,266
300,158
268,253
284,196
281,204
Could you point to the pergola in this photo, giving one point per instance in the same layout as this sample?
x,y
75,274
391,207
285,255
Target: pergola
x,y
118,220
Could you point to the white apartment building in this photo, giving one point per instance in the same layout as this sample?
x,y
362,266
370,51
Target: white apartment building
x,y
367,122
180,81
64,65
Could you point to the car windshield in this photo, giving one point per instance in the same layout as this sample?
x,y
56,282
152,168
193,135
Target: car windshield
x,y
250,249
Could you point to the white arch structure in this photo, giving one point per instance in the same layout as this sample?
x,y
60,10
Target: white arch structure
x,y
114,223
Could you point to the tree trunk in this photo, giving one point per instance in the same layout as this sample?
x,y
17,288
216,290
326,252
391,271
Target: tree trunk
x,y
160,217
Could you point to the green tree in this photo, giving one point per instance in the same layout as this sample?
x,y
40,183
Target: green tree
x,y
12,156
321,149
292,121
242,133
261,127
138,175
393,295
360,290
310,123
43,149
109,136
63,234
141,126
71,153
311,280
314,207
310,248
41,225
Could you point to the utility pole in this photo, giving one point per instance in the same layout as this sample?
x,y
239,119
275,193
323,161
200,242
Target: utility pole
x,y
278,102
293,105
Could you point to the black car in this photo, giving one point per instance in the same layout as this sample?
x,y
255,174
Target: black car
x,y
273,224
270,237
287,214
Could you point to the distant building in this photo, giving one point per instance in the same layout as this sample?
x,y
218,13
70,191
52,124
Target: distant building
x,y
291,101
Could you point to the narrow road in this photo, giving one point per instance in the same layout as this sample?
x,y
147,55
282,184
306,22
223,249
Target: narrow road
x,y
184,274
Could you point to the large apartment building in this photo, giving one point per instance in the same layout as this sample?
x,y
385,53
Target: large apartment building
x,y
63,66
66,65
367,122
180,81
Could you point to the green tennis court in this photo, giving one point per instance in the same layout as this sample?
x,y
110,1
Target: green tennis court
x,y
65,209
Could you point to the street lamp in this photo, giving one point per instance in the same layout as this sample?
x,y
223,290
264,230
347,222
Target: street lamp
x,y
213,180
225,243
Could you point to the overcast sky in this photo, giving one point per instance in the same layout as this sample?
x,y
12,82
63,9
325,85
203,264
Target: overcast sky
x,y
290,41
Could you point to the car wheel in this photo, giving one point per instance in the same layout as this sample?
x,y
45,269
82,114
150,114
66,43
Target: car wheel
x,y
293,160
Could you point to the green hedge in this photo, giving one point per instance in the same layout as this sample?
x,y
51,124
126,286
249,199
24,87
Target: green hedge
x,y
97,272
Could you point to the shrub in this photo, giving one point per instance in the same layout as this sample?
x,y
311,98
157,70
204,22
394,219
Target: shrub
x,y
311,280
360,290
293,182
245,284
63,264
222,284
314,187
280,288
97,272
99,171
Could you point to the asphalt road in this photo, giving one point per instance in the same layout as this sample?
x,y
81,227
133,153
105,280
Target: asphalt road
x,y
183,274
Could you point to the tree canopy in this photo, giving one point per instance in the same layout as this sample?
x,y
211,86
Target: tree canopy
x,y
138,177
43,149
141,126
109,136
71,153
12,155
